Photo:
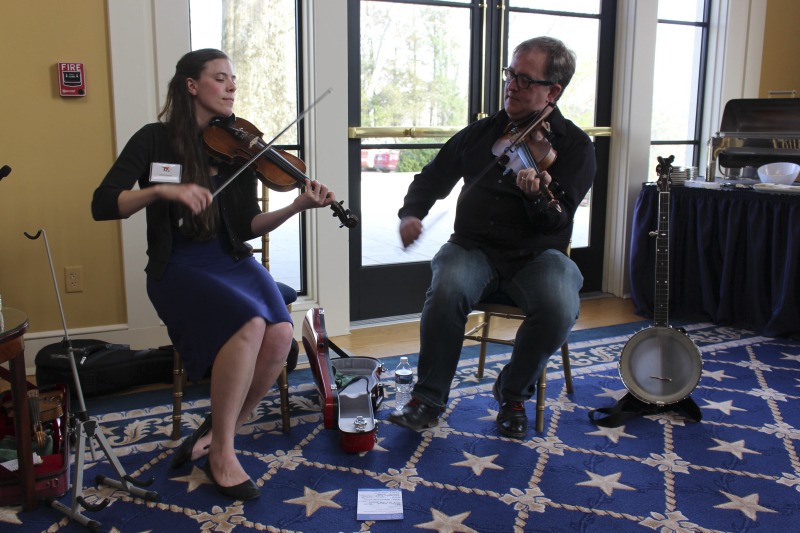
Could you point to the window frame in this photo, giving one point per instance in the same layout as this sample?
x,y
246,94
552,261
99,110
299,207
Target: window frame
x,y
699,128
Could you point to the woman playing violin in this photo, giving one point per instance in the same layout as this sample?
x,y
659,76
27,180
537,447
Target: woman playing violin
x,y
221,307
512,230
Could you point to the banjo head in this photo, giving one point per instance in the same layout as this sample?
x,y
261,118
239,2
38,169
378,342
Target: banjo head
x,y
660,365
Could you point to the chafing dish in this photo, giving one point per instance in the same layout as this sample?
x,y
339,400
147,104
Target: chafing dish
x,y
754,132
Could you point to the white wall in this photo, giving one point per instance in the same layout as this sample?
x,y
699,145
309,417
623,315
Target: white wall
x,y
734,65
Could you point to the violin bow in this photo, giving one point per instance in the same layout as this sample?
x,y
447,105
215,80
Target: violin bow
x,y
270,143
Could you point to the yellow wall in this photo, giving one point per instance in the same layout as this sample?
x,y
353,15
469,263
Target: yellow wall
x,y
59,149
780,66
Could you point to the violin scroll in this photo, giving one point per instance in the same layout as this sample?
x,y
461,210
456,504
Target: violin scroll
x,y
345,216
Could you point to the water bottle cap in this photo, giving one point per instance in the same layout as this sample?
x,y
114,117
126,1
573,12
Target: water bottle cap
x,y
404,359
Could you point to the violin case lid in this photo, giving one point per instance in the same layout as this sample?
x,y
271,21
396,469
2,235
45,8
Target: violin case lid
x,y
349,387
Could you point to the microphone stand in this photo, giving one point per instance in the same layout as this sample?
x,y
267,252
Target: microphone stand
x,y
89,430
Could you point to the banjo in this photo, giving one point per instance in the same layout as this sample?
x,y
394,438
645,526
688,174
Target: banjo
x,y
660,365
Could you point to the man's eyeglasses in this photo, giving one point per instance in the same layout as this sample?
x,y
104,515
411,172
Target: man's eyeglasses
x,y
523,81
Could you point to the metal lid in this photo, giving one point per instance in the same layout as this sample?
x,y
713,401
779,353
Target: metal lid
x,y
755,115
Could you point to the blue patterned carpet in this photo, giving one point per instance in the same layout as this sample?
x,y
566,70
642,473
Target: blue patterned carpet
x,y
737,470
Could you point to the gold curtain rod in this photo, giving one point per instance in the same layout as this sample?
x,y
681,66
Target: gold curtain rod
x,y
417,133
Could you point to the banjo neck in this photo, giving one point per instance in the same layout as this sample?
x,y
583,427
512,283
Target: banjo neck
x,y
661,304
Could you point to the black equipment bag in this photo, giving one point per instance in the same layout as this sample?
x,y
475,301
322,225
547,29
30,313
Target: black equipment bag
x,y
103,367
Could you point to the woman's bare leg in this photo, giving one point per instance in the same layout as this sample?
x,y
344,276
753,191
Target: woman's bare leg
x,y
269,364
244,370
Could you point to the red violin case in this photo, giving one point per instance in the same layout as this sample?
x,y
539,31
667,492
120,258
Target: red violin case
x,y
349,387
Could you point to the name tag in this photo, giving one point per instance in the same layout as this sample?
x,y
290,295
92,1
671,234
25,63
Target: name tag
x,y
165,173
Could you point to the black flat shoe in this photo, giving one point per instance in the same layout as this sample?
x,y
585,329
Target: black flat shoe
x,y
246,490
184,452
416,415
512,420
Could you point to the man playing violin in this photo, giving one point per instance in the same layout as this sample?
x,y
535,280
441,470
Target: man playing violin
x,y
512,232
221,307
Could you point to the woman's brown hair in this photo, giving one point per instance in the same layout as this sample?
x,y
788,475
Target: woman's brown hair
x,y
179,116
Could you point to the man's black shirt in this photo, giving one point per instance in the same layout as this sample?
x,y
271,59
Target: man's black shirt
x,y
492,213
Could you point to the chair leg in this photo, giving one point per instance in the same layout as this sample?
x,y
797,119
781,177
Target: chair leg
x,y
283,384
178,381
541,399
567,369
484,334
541,388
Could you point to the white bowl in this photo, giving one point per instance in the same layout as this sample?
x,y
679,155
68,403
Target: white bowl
x,y
781,173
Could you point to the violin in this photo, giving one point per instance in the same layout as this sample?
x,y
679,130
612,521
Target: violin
x,y
47,415
239,142
50,405
529,147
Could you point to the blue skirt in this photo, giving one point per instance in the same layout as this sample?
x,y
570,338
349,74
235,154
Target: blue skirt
x,y
206,296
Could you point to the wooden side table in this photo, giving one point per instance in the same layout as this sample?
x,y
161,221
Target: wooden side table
x,y
13,325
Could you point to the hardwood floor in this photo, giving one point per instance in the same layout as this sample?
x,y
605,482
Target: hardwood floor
x,y
386,340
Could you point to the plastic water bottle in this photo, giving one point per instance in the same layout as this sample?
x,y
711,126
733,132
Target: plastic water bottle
x,y
403,380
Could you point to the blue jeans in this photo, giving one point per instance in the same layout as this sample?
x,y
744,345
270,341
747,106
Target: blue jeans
x,y
546,289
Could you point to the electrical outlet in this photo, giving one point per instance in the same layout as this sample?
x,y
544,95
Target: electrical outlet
x,y
73,278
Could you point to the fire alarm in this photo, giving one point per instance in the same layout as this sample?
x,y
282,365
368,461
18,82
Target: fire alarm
x,y
71,79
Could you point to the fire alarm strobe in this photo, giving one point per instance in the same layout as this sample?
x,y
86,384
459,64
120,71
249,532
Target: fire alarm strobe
x,y
71,79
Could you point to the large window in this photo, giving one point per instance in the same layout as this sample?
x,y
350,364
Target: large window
x,y
423,70
415,72
262,39
681,44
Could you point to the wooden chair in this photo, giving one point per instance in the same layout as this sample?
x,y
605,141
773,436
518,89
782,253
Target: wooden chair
x,y
499,305
179,382
179,379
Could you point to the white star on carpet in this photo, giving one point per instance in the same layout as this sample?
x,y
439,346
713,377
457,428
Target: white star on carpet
x,y
491,416
479,464
605,483
615,394
717,375
447,524
736,448
748,505
378,446
726,406
612,434
195,479
791,357
10,515
314,500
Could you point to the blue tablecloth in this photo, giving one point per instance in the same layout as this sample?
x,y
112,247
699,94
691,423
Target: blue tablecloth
x,y
734,257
